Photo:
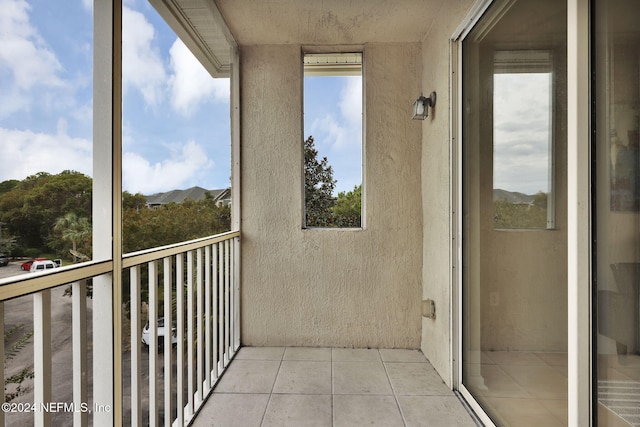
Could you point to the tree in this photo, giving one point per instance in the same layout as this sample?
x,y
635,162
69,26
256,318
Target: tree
x,y
318,187
74,229
145,228
347,211
32,207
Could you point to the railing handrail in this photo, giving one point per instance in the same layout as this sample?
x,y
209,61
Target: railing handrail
x,y
17,286
140,257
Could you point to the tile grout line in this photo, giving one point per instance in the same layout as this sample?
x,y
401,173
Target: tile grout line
x,y
264,414
393,390
333,421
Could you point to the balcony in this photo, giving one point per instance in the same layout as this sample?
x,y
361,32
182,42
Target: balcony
x,y
293,386
262,386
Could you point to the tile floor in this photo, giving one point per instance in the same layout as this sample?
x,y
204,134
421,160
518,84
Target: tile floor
x,y
278,386
524,388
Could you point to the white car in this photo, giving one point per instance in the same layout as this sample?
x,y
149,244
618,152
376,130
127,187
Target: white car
x,y
42,266
146,337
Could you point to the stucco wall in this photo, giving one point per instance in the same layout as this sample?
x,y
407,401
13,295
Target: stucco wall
x,y
330,287
436,184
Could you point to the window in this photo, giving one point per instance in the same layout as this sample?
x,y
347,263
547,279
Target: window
x,y
333,140
523,140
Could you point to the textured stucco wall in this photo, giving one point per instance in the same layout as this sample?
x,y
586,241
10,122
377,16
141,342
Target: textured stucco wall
x,y
436,184
330,287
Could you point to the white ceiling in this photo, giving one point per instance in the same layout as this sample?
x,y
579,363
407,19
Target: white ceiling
x,y
328,22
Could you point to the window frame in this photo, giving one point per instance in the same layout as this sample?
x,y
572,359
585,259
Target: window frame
x,y
335,69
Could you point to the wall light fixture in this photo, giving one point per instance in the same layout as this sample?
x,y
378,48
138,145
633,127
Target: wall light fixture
x,y
421,106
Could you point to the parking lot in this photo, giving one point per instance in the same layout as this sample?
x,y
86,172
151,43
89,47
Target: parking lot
x,y
13,269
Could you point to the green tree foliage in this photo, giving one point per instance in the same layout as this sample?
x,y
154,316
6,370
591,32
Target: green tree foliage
x,y
145,228
520,215
32,206
348,208
76,230
6,186
318,187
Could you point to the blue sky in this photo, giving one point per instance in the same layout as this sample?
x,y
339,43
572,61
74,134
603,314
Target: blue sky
x,y
175,115
333,115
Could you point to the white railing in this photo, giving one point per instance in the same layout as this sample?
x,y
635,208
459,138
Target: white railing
x,y
193,286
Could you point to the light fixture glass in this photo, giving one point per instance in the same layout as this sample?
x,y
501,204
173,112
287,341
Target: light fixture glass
x,y
421,106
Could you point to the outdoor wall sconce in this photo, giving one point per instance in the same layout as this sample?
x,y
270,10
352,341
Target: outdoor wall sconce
x,y
421,106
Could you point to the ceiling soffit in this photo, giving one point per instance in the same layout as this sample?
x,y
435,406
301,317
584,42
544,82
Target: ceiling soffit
x,y
202,29
328,22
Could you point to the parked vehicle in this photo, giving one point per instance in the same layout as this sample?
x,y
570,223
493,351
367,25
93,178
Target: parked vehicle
x,y
146,337
43,265
4,260
26,266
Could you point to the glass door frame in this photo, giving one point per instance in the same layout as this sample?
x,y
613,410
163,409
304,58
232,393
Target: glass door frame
x,y
579,223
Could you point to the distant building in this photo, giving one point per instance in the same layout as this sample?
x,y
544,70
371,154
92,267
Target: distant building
x,y
221,197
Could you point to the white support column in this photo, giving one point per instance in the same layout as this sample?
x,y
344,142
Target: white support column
x,y
42,356
578,214
107,194
79,333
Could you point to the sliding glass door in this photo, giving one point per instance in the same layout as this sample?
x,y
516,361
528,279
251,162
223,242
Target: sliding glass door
x,y
514,203
616,211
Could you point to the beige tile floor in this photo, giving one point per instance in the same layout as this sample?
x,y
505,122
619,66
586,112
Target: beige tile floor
x,y
524,388
278,386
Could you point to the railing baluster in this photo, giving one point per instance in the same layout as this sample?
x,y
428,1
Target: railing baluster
x,y
79,355
236,293
180,337
168,346
200,339
207,317
227,274
221,307
190,336
214,287
136,354
42,356
153,344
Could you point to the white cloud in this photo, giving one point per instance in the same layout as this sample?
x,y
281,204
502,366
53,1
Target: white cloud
x,y
351,100
522,132
142,66
188,162
191,84
343,131
88,5
23,51
25,153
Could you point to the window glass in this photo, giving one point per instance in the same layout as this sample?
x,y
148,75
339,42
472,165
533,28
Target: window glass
x,y
333,140
522,140
616,261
